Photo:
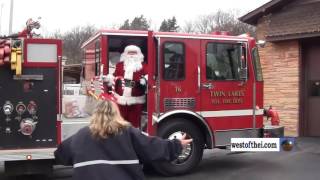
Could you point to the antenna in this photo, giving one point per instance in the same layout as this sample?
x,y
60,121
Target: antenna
x,y
11,17
1,8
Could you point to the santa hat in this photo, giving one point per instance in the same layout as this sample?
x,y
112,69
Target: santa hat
x,y
131,48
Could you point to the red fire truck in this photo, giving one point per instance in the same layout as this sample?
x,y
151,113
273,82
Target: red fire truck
x,y
30,101
209,86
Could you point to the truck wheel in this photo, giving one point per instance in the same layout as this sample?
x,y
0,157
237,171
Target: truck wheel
x,y
190,156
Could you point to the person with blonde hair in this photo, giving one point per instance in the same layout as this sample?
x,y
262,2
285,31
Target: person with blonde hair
x,y
110,148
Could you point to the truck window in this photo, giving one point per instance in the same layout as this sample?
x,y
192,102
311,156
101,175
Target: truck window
x,y
114,58
116,46
97,58
174,61
223,61
83,66
257,64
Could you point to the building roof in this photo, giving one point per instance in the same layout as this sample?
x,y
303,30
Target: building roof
x,y
288,19
295,22
253,16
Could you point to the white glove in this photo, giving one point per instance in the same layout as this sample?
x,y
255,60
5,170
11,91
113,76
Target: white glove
x,y
143,81
109,79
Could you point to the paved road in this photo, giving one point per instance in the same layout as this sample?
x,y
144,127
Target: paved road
x,y
302,163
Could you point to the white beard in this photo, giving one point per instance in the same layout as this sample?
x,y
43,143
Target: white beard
x,y
131,64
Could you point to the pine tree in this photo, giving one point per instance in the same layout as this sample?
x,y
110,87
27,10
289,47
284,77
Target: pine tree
x,y
172,24
164,26
139,23
169,25
126,25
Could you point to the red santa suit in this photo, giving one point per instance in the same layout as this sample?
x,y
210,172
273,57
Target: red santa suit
x,y
130,91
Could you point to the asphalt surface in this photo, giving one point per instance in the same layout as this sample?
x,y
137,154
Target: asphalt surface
x,y
302,163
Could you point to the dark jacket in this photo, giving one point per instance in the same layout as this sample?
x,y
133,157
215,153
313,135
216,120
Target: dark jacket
x,y
117,157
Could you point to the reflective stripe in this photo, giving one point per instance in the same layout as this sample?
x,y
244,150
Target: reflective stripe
x,y
227,113
94,162
190,36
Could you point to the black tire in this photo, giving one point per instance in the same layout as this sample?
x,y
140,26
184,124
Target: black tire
x,y
193,131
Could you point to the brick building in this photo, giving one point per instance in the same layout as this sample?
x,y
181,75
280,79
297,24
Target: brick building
x,y
291,61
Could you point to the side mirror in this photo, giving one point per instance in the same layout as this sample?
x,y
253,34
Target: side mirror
x,y
243,71
243,74
261,43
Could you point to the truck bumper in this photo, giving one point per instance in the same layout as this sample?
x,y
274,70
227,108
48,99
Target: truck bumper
x,y
27,154
273,131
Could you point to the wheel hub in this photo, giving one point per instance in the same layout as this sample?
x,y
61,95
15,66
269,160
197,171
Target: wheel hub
x,y
186,151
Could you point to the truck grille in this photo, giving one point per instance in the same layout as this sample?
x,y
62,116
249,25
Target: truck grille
x,y
179,103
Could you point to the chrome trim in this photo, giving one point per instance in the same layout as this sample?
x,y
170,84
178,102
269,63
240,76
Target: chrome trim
x,y
223,137
124,34
179,103
60,89
234,130
154,118
199,79
59,117
229,113
170,113
20,155
186,150
254,89
203,37
157,105
254,105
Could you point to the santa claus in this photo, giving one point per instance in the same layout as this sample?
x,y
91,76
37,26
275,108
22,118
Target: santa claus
x,y
130,79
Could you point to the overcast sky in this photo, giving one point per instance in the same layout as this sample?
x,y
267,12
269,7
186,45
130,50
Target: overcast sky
x,y
64,14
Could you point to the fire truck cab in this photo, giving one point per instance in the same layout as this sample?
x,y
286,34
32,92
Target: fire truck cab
x,y
209,86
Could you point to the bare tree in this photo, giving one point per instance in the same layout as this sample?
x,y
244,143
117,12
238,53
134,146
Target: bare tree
x,y
189,27
219,21
56,35
204,23
72,41
227,21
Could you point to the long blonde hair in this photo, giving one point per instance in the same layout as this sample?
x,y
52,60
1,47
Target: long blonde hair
x,y
106,120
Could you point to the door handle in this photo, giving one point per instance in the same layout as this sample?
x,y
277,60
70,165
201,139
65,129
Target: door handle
x,y
242,83
207,85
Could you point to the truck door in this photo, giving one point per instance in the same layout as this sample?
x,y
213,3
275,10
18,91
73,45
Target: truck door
x,y
151,94
178,64
226,100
